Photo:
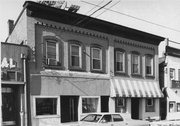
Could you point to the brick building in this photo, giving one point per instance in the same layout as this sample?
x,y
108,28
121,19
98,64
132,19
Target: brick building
x,y
92,66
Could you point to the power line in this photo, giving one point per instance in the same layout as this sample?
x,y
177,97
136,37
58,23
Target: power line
x,y
94,12
94,7
135,17
108,8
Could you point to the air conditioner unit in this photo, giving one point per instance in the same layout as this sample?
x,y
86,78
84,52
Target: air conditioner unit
x,y
52,62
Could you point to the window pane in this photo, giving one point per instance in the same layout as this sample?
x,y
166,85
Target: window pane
x,y
107,118
75,55
74,50
119,66
46,106
148,70
119,56
135,64
96,64
117,118
89,105
51,50
75,61
96,53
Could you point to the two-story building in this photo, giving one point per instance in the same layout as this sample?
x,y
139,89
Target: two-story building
x,y
169,70
80,65
13,83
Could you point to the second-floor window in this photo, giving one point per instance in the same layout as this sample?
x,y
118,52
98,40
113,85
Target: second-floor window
x,y
149,65
96,58
120,61
172,73
52,52
75,57
135,64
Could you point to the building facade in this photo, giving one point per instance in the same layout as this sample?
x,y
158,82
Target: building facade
x,y
170,83
80,65
13,83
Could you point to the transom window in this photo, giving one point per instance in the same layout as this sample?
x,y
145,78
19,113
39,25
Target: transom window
x,y
120,61
75,55
96,59
135,64
52,52
149,65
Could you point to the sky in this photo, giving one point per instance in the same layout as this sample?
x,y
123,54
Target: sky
x,y
159,17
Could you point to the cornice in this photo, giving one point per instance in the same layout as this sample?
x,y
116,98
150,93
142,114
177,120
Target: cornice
x,y
131,43
73,30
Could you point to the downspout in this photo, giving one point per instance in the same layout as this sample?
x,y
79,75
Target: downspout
x,y
0,95
24,112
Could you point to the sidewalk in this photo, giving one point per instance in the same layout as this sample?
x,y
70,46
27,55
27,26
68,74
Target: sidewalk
x,y
165,123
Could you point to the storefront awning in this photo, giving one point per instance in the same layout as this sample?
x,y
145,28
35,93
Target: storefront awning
x,y
172,96
121,87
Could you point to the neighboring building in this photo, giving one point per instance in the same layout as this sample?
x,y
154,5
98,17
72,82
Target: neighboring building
x,y
169,67
13,83
80,65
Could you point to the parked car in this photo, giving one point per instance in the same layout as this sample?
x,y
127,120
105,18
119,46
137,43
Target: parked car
x,y
100,119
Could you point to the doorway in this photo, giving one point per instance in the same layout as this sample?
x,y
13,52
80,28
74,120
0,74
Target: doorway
x,y
69,108
135,108
10,106
104,103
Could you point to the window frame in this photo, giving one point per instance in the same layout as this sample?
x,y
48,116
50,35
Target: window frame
x,y
139,63
45,116
152,65
92,58
57,50
173,73
178,107
59,55
80,55
118,100
123,63
171,110
151,107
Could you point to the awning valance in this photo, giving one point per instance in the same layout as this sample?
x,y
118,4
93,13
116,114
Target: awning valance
x,y
121,87
171,95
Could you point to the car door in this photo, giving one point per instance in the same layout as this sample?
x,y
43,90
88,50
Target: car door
x,y
106,120
118,120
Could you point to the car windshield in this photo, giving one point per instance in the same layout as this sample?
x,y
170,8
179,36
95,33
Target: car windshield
x,y
92,118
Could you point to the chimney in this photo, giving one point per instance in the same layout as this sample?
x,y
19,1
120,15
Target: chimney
x,y
10,26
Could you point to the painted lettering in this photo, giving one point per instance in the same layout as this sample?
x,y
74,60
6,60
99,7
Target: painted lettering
x,y
8,64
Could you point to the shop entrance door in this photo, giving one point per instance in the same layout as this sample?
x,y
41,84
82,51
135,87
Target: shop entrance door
x,y
135,108
10,105
69,108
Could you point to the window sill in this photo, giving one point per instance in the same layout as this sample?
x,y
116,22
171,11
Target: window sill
x,y
150,77
121,74
77,69
98,71
136,75
54,67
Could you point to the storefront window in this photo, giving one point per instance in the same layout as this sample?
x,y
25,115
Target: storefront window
x,y
150,105
172,106
46,106
89,105
120,105
178,107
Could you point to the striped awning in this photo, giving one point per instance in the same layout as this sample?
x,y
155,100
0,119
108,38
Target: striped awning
x,y
121,87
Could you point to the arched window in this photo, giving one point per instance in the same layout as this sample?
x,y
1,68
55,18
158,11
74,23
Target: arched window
x,y
76,56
